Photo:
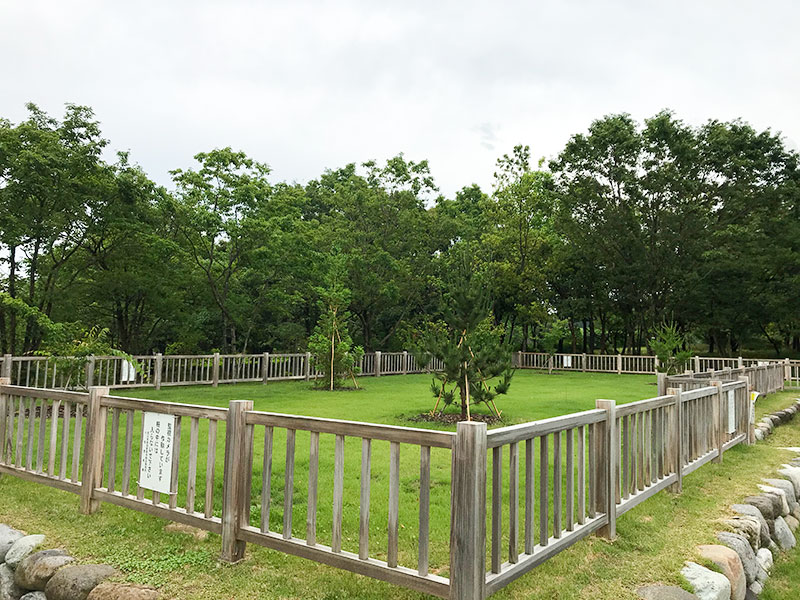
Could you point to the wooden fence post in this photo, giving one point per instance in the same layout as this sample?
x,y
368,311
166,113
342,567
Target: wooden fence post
x,y
377,363
583,362
308,366
661,384
90,362
518,357
265,368
656,364
619,364
468,513
751,412
719,429
236,479
94,443
158,366
696,364
405,362
606,449
740,362
6,372
215,371
4,419
787,372
676,440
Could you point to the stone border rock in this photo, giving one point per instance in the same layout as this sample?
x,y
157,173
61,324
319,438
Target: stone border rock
x,y
768,423
31,574
763,525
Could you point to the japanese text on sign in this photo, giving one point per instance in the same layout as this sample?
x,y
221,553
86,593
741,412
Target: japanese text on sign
x,y
155,464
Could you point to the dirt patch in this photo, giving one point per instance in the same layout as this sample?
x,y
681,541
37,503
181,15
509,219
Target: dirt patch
x,y
452,418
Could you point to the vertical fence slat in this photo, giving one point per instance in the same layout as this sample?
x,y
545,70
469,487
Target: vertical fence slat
x,y
338,494
424,509
513,502
313,478
126,469
288,486
544,464
363,514
191,478
394,502
211,467
581,474
570,491
53,445
497,507
529,496
176,458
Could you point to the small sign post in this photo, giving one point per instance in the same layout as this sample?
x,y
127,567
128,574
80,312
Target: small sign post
x,y
155,464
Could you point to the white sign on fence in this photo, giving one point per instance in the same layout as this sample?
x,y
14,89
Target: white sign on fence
x,y
731,412
127,372
155,464
567,362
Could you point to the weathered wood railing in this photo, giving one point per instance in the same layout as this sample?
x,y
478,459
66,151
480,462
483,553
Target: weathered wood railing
x,y
547,484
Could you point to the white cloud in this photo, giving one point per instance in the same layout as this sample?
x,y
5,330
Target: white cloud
x,y
305,86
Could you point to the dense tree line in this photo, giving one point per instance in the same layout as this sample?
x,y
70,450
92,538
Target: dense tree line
x,y
631,225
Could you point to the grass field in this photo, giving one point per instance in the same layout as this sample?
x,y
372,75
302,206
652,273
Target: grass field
x,y
654,538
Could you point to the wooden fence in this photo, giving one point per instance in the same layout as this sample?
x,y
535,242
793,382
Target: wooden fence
x,y
258,477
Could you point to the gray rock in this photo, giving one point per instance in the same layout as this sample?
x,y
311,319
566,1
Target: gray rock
x,y
76,582
765,560
759,433
787,487
122,591
34,596
7,538
765,504
743,548
729,563
792,523
35,571
746,526
784,501
756,588
664,592
22,548
762,575
751,511
8,589
792,474
707,584
784,535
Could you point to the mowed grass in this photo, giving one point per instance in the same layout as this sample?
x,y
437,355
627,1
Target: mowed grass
x,y
654,538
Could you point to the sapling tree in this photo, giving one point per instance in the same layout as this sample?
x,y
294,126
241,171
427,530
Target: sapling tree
x,y
670,347
551,332
467,346
330,344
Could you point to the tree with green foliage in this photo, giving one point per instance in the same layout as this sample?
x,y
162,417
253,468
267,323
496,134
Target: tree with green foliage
x,y
551,332
330,344
466,343
670,346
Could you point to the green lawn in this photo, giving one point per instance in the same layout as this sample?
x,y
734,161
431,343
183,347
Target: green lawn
x,y
654,538
392,399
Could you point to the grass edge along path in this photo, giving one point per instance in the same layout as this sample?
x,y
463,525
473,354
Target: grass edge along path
x,y
654,540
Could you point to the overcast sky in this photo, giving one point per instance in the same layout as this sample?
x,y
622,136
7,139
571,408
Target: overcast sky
x,y
305,86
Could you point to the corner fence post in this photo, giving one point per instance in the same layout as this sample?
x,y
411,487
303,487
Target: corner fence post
x,y
94,443
676,440
607,458
157,368
6,372
719,430
468,513
236,479
215,371
3,419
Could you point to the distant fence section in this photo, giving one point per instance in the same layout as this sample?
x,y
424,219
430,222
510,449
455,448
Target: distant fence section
x,y
212,369
260,478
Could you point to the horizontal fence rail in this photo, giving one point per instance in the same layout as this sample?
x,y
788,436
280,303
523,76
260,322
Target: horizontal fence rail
x,y
513,496
212,369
